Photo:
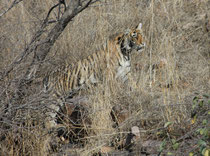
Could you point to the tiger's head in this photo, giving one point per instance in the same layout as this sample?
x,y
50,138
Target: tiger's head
x,y
132,39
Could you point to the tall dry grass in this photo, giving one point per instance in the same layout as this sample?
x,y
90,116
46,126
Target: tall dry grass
x,y
174,65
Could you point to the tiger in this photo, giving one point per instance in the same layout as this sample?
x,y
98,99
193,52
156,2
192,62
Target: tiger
x,y
115,57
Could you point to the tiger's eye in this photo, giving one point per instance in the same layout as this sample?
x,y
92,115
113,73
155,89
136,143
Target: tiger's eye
x,y
134,34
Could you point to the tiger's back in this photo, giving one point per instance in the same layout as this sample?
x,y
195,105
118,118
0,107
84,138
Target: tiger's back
x,y
90,70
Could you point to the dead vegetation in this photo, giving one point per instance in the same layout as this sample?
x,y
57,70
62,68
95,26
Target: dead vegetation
x,y
168,100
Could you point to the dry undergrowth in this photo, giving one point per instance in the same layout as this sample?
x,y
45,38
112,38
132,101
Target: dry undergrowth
x,y
165,77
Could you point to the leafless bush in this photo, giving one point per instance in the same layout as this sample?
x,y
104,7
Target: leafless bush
x,y
165,76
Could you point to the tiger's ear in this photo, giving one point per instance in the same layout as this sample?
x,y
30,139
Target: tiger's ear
x,y
119,39
139,26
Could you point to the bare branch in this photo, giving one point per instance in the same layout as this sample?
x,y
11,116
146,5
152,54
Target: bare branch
x,y
59,10
15,2
72,10
41,48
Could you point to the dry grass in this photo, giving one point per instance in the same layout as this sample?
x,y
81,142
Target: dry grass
x,y
165,77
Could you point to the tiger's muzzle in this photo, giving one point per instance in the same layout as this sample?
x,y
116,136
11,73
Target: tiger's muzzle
x,y
140,47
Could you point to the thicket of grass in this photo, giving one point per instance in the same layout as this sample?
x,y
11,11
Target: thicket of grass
x,y
166,76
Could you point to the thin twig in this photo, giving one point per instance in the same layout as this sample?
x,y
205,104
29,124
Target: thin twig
x,y
15,2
